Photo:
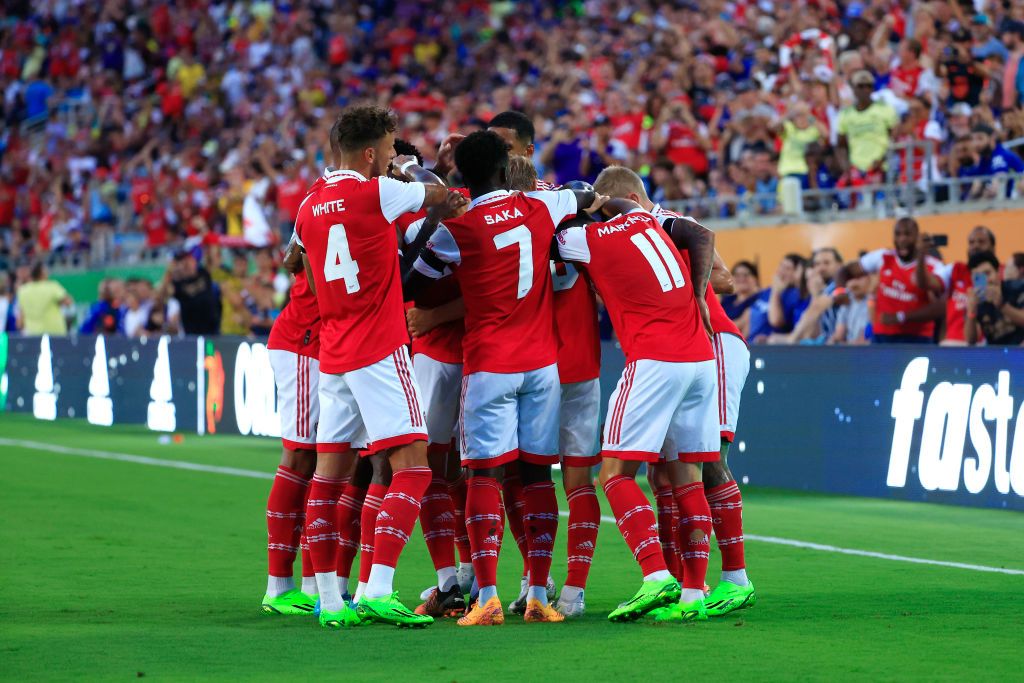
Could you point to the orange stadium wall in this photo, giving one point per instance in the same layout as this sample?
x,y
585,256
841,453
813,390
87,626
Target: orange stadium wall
x,y
766,246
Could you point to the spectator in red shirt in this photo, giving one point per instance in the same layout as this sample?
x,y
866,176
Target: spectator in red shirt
x,y
957,279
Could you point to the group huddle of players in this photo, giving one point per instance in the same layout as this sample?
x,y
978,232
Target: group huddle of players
x,y
495,285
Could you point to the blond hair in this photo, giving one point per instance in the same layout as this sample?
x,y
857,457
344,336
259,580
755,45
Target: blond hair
x,y
522,176
618,182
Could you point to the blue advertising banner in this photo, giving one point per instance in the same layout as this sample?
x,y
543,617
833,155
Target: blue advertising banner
x,y
915,423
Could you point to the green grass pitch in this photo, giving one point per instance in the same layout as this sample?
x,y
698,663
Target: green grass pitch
x,y
113,570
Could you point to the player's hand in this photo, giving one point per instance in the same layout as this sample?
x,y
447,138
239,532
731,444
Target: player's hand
x,y
446,152
399,160
599,201
705,315
454,205
419,321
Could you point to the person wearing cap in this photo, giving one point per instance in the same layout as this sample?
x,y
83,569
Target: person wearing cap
x,y
197,294
992,159
865,130
985,44
966,76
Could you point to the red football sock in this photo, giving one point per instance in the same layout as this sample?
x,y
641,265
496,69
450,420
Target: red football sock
x,y
398,514
437,518
284,520
636,521
540,519
307,561
457,490
321,520
367,521
668,521
350,507
512,488
727,517
584,521
484,524
694,533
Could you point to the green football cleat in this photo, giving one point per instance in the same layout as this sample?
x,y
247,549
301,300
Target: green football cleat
x,y
683,611
389,610
728,597
652,595
290,602
343,618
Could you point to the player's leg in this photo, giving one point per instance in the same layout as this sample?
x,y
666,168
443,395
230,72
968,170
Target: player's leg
x,y
693,440
457,489
287,500
578,444
639,415
380,479
735,590
441,385
390,404
512,497
488,442
538,451
340,431
350,507
668,516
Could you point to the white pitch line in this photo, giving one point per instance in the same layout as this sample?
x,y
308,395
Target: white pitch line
x,y
256,474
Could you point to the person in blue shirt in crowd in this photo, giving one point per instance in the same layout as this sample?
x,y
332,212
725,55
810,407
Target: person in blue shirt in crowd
x,y
777,309
991,158
746,288
105,315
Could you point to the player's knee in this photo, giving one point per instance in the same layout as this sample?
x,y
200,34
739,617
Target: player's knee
x,y
335,465
409,455
534,474
716,474
683,473
575,477
302,461
657,476
363,475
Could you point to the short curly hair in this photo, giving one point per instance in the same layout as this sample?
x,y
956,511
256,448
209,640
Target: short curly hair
x,y
361,127
480,156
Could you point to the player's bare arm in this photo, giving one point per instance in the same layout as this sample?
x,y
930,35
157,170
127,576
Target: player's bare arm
x,y
699,242
454,205
292,260
423,320
435,190
309,272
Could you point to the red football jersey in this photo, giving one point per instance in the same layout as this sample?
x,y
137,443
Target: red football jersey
x,y
898,291
347,228
444,342
645,285
958,283
720,322
579,337
499,252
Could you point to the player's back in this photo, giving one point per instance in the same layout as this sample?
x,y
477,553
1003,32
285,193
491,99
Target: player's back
x,y
346,226
645,285
503,271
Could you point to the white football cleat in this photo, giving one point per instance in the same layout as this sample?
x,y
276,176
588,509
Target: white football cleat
x,y
572,609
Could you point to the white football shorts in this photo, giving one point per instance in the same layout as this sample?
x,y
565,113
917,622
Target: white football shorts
x,y
297,378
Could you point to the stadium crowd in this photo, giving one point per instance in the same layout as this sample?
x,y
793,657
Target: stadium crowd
x,y
132,126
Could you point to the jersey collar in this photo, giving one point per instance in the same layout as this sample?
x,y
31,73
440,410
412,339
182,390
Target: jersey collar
x,y
489,197
337,174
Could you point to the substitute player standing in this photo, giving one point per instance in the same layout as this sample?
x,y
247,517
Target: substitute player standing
x,y
294,347
498,251
368,394
732,364
666,397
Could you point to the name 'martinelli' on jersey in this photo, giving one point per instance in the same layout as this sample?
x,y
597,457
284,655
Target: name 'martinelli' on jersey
x,y
623,225
502,216
332,206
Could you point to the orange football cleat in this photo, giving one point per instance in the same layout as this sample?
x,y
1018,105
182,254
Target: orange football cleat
x,y
536,611
489,614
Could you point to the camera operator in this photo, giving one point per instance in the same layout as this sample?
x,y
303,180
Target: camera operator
x,y
996,305
197,294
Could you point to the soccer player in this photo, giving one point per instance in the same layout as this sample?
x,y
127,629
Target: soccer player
x,y
294,346
732,363
499,252
579,370
368,394
665,400
516,128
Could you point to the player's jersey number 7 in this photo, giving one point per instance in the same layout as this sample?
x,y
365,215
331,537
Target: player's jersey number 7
x,y
658,255
339,264
519,235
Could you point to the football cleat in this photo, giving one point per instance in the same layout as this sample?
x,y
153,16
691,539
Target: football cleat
x,y
652,595
518,606
448,604
388,609
572,609
343,618
289,602
552,590
683,611
728,597
538,612
426,592
488,614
